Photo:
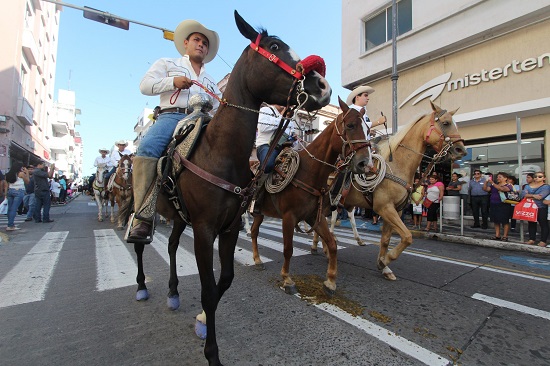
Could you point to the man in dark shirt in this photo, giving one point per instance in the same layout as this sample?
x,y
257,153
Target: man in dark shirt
x,y
28,200
42,195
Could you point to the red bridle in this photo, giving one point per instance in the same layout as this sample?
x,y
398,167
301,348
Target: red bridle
x,y
308,64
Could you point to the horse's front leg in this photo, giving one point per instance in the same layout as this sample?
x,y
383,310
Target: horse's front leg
x,y
112,210
204,248
173,300
351,215
392,220
142,293
254,232
246,224
99,203
329,243
288,249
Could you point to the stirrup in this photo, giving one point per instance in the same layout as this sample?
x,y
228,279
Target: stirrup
x,y
146,240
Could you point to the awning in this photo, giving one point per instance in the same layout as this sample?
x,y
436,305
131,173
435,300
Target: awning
x,y
19,153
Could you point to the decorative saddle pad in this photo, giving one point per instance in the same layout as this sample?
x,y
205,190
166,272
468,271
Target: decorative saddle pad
x,y
286,165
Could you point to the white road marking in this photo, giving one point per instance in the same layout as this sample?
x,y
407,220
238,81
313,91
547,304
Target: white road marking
x,y
115,266
386,336
271,244
186,262
296,238
29,279
512,305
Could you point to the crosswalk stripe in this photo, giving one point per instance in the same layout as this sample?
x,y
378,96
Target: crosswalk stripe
x,y
187,264
29,279
296,238
271,244
115,266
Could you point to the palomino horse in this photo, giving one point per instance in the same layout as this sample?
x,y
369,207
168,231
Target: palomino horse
x,y
268,70
100,191
306,197
390,196
121,190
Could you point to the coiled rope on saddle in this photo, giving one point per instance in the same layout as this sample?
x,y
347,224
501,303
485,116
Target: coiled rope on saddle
x,y
286,166
367,183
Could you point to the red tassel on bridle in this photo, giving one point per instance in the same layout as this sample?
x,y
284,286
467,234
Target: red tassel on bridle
x,y
312,63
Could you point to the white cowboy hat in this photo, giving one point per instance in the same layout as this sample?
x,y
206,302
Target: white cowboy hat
x,y
103,149
355,92
190,26
121,142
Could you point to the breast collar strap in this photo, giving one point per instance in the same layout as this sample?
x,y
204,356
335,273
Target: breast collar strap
x,y
276,60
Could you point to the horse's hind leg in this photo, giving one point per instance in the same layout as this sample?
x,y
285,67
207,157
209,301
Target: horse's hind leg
x,y
142,293
254,231
173,300
329,243
356,236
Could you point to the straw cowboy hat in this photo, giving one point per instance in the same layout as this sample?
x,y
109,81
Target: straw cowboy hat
x,y
190,26
103,149
359,90
121,142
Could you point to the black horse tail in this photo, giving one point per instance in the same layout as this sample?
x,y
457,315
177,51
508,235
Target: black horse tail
x,y
126,209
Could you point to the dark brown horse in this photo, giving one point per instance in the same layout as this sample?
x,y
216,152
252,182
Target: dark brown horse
x,y
121,191
306,197
267,71
407,147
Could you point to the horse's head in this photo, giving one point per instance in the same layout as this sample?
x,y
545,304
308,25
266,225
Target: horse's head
x,y
125,167
349,137
100,173
443,134
291,80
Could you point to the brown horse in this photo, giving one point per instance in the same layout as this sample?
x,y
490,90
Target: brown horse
x,y
407,147
121,190
305,198
267,71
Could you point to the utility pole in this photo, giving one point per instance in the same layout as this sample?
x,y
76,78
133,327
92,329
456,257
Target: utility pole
x,y
394,75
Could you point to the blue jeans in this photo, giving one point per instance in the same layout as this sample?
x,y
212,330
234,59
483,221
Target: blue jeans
x,y
42,199
261,153
15,197
159,135
28,202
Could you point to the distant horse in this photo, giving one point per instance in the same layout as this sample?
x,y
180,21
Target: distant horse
x,y
407,147
216,184
121,190
100,191
305,197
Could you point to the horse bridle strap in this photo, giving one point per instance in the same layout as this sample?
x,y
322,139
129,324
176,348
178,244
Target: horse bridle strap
x,y
276,60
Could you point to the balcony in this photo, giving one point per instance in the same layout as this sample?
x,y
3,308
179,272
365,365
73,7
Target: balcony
x,y
59,145
60,127
29,47
24,111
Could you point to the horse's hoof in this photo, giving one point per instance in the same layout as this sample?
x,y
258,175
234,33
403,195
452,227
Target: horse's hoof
x,y
314,251
328,291
100,220
249,234
361,243
290,289
200,329
259,266
173,302
142,295
388,274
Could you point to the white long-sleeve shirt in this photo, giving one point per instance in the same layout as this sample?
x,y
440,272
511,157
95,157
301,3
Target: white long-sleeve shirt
x,y
159,80
116,155
267,125
103,160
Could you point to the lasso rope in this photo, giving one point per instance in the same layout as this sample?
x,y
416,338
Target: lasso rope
x,y
364,183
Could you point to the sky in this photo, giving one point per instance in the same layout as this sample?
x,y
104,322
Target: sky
x,y
104,65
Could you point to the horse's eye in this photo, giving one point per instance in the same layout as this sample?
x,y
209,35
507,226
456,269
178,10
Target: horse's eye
x,y
274,47
350,126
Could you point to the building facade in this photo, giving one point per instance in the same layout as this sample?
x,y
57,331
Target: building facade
x,y
490,58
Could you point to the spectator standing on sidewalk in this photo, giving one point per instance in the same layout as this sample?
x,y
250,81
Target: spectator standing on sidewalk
x,y
537,190
434,193
417,198
3,188
16,178
42,194
63,190
28,200
454,187
513,182
479,200
55,187
500,211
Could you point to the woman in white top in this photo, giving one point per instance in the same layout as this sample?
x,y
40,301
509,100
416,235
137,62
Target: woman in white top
x,y
16,178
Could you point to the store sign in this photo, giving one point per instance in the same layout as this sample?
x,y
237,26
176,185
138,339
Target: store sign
x,y
435,87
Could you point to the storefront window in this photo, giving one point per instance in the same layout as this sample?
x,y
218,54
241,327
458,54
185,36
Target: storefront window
x,y
503,157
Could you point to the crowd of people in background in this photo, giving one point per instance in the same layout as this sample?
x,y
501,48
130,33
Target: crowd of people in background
x,y
31,190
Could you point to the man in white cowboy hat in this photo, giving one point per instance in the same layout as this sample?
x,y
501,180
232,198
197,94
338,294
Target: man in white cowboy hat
x,y
116,155
103,159
358,99
172,79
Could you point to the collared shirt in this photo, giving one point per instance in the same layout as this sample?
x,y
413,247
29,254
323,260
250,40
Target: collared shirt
x,y
117,155
267,125
159,79
41,183
476,187
367,125
103,160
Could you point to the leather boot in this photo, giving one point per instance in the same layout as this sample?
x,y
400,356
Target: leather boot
x,y
259,194
145,174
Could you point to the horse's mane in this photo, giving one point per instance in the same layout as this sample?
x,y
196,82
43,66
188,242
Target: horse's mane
x,y
385,146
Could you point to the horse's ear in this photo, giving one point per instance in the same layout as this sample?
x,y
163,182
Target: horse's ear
x,y
343,105
435,108
453,112
246,29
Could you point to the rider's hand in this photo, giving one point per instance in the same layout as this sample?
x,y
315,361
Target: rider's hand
x,y
182,82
